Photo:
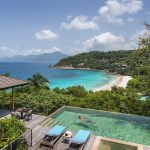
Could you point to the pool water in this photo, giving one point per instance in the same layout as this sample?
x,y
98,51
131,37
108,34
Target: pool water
x,y
144,98
130,128
108,145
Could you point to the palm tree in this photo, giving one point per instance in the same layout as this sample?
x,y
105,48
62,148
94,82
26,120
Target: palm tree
x,y
39,81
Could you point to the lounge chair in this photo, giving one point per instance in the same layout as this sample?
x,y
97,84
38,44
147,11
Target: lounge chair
x,y
16,115
28,115
52,136
79,140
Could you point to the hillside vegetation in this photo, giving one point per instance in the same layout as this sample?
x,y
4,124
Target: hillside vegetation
x,y
122,62
44,102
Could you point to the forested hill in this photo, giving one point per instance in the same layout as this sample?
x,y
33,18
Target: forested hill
x,y
122,62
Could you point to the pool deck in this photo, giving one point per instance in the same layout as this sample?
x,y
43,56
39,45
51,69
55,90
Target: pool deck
x,y
39,126
63,146
37,129
146,148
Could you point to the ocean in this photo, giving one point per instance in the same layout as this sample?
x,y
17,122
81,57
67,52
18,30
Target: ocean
x,y
90,79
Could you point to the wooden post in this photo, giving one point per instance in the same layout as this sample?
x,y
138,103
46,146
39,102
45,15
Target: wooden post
x,y
31,137
13,100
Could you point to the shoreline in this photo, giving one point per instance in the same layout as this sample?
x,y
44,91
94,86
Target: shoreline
x,y
73,68
120,81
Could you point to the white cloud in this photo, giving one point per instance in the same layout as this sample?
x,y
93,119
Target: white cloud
x,y
132,42
138,34
46,35
6,51
9,52
69,17
80,23
116,8
115,20
77,42
74,50
106,39
130,19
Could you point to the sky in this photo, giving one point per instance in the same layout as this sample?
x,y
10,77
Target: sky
x,y
31,27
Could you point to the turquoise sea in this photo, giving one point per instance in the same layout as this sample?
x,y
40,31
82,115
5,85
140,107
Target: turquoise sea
x,y
90,79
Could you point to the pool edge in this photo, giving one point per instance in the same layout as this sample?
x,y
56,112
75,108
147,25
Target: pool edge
x,y
99,139
125,114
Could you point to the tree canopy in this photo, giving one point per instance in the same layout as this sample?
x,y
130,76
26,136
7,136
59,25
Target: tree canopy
x,y
39,81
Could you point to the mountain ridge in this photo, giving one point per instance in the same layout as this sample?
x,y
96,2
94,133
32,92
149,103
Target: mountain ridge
x,y
51,58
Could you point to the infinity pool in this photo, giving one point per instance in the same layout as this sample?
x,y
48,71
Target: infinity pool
x,y
130,128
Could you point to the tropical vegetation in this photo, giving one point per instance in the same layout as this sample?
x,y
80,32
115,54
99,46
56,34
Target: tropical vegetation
x,y
47,101
38,81
10,130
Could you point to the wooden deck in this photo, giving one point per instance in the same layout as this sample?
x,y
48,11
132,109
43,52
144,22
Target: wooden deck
x,y
146,147
63,146
37,129
40,125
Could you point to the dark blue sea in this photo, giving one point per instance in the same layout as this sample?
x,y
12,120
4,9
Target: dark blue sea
x,y
90,79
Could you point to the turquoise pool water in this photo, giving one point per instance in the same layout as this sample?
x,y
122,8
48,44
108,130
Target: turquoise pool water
x,y
128,128
144,98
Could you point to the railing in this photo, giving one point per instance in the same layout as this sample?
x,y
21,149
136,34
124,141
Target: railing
x,y
24,142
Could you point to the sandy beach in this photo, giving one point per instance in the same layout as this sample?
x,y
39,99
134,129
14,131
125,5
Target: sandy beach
x,y
121,81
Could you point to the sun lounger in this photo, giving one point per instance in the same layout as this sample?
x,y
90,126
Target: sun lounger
x,y
79,140
28,115
52,136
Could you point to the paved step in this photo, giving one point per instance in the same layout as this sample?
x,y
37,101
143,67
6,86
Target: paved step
x,y
50,122
53,123
46,121
43,121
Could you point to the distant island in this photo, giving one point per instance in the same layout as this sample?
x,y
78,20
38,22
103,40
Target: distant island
x,y
51,58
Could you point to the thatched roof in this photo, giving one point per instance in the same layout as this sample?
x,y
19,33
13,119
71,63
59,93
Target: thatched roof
x,y
8,82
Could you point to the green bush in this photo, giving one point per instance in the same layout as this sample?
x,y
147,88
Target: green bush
x,y
10,129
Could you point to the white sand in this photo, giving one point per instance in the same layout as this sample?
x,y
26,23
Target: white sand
x,y
124,81
121,81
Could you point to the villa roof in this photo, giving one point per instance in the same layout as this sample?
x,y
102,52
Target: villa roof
x,y
8,82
